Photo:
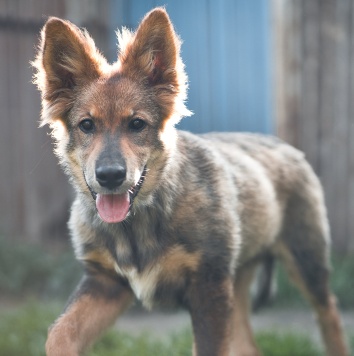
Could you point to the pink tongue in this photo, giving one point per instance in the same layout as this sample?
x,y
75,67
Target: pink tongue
x,y
113,208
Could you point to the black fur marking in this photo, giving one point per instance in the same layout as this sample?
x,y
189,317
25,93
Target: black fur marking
x,y
172,294
93,193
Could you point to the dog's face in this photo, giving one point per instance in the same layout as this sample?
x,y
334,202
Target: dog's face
x,y
113,124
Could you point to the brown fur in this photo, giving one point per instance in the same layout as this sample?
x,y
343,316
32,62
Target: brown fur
x,y
206,210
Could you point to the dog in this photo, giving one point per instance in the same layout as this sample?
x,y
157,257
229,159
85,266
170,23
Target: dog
x,y
166,216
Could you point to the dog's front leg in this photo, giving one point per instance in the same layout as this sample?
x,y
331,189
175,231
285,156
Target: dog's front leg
x,y
211,309
94,306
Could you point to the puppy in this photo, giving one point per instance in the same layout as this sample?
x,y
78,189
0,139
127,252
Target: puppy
x,y
166,216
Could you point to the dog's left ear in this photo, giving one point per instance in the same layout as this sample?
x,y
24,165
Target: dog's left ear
x,y
153,50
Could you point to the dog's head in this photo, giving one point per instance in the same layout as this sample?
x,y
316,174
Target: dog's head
x,y
113,124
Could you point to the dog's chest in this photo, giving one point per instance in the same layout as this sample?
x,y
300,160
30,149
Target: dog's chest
x,y
150,266
142,283
137,258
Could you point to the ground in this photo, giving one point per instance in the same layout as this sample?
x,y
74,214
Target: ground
x,y
162,324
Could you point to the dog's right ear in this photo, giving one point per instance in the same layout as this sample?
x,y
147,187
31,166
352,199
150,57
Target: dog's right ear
x,y
67,59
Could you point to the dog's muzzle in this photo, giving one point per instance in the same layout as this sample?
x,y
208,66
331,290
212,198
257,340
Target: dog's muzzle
x,y
113,208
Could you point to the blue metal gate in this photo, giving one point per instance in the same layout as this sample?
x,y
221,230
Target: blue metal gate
x,y
226,49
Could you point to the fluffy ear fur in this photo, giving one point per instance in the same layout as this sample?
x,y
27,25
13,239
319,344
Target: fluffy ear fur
x,y
67,59
152,55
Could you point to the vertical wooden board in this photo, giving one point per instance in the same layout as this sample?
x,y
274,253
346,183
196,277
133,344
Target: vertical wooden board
x,y
341,117
287,14
350,122
11,9
20,114
293,67
15,131
3,7
7,212
19,117
321,115
23,11
278,69
56,7
26,111
332,150
46,191
308,137
264,121
32,10
46,187
326,95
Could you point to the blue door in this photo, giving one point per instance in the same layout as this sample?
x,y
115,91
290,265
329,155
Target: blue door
x,y
226,49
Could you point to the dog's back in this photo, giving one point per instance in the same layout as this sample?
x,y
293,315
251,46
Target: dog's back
x,y
264,181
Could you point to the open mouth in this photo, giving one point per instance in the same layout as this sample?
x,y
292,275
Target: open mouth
x,y
114,208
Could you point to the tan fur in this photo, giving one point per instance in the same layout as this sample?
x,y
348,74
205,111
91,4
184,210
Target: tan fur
x,y
331,328
74,331
241,339
102,257
178,259
205,210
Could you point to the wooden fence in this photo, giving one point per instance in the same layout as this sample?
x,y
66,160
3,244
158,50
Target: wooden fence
x,y
314,77
34,194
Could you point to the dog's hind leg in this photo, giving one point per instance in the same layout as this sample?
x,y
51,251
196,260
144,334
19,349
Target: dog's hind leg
x,y
244,344
304,250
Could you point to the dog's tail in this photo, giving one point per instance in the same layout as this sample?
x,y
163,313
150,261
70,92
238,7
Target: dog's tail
x,y
265,285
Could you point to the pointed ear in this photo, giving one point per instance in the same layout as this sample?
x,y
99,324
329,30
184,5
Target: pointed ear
x,y
154,49
67,59
152,55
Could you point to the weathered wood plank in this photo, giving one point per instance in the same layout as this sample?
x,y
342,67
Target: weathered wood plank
x,y
321,113
34,192
350,119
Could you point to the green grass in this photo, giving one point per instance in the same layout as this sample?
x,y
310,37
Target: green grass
x,y
27,269
145,345
341,277
287,344
341,281
23,331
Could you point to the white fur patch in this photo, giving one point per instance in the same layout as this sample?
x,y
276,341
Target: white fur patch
x,y
143,284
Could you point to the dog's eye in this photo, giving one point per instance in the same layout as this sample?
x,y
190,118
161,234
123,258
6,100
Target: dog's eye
x,y
87,126
137,124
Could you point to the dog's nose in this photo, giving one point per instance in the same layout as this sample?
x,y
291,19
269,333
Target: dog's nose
x,y
110,176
